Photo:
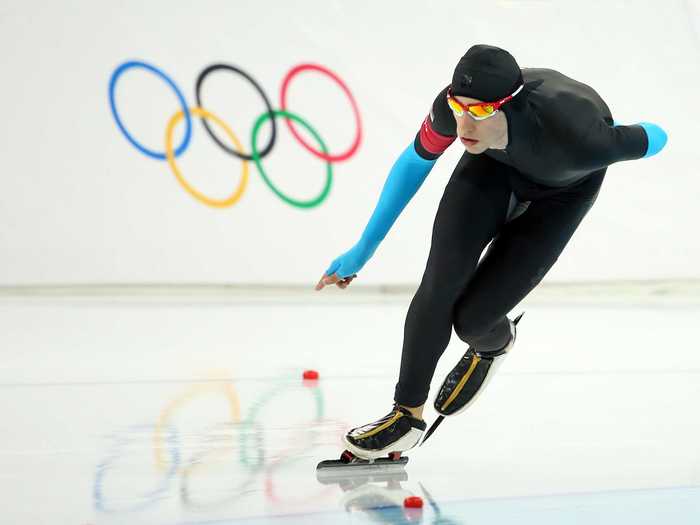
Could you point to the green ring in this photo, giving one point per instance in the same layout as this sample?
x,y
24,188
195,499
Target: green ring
x,y
256,157
256,407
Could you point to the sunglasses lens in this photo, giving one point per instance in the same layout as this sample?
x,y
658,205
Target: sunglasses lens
x,y
456,108
481,111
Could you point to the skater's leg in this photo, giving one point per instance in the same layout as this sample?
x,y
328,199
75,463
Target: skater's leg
x,y
515,263
515,209
471,212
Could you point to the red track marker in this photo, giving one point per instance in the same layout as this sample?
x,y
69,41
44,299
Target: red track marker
x,y
413,502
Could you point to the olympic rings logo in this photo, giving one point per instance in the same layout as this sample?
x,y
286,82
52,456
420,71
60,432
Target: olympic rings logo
x,y
256,154
237,438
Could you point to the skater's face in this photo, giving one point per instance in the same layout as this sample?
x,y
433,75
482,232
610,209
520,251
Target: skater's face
x,y
479,135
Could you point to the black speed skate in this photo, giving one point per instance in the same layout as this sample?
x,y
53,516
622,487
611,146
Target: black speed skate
x,y
468,379
398,431
381,442
470,376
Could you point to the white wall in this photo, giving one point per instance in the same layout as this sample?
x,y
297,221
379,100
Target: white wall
x,y
79,204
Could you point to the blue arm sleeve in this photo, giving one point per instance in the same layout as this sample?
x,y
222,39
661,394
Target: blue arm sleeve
x,y
657,138
406,176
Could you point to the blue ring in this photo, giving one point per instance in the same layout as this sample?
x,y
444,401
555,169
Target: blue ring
x,y
149,498
188,121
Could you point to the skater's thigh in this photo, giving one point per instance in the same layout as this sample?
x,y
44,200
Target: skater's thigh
x,y
472,210
523,253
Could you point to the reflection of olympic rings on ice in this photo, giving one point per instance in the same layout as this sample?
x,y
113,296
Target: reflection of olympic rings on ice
x,y
251,429
261,467
256,155
195,391
294,453
121,440
187,495
325,427
256,407
273,495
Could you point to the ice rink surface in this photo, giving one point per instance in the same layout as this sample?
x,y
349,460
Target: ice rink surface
x,y
181,410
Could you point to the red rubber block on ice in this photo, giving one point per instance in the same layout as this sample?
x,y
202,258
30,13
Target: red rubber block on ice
x,y
413,502
310,374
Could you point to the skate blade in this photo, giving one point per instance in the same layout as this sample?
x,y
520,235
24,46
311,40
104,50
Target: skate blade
x,y
336,468
352,476
432,429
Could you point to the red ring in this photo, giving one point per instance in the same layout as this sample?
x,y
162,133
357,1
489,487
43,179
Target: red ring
x,y
272,493
272,496
283,103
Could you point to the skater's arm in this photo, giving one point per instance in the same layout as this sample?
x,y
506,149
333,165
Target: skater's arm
x,y
436,133
605,144
439,129
406,176
410,170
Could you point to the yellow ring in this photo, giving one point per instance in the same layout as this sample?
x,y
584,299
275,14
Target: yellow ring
x,y
196,390
170,155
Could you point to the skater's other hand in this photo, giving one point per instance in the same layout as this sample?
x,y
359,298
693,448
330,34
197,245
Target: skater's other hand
x,y
344,268
336,279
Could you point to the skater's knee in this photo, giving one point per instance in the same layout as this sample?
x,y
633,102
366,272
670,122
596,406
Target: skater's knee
x,y
469,322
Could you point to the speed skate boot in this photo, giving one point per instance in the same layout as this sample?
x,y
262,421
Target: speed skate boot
x,y
470,376
392,434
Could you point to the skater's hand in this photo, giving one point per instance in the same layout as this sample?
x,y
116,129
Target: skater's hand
x,y
344,269
336,279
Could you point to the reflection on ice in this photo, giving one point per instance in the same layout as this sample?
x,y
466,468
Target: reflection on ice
x,y
593,428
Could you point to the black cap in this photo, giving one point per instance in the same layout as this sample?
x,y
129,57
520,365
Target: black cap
x,y
486,73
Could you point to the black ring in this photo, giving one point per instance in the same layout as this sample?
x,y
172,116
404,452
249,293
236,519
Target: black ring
x,y
232,494
228,149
